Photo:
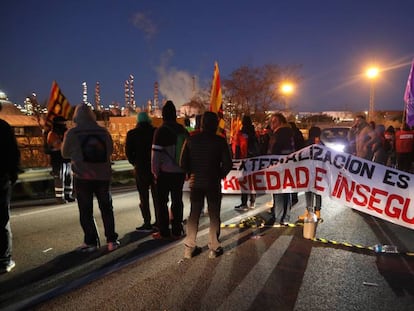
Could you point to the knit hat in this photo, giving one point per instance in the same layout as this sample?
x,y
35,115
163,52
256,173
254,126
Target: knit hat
x,y
143,117
168,111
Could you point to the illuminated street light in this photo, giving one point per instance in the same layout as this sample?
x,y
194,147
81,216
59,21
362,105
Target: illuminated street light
x,y
287,89
372,74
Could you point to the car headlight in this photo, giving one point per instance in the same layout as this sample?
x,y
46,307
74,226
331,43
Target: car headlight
x,y
336,146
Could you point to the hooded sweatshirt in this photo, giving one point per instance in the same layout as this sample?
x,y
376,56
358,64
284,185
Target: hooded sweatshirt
x,y
89,146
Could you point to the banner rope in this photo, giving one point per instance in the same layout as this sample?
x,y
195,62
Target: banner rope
x,y
255,222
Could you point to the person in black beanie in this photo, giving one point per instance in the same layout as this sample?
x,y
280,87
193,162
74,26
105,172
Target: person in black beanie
x,y
168,175
9,168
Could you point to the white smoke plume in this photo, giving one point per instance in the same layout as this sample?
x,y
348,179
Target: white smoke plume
x,y
175,85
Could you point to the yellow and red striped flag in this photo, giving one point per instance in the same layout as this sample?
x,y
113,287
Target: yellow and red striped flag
x,y
58,105
216,100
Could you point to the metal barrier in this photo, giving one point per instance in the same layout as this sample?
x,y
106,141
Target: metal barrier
x,y
39,174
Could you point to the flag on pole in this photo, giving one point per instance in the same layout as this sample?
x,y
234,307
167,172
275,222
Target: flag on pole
x,y
58,105
216,100
409,99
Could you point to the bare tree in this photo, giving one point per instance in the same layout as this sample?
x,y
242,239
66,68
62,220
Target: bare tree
x,y
255,90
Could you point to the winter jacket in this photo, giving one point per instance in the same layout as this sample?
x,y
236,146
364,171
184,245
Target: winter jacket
x,y
89,146
163,155
282,141
138,147
206,158
10,157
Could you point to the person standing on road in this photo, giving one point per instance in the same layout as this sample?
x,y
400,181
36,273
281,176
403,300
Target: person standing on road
x,y
312,199
138,151
281,142
169,176
9,168
61,168
206,158
90,146
246,145
365,138
404,147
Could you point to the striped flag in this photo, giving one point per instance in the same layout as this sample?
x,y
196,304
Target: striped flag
x,y
216,100
58,106
409,99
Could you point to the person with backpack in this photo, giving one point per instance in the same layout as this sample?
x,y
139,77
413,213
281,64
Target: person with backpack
x,y
245,145
90,146
168,175
9,169
138,151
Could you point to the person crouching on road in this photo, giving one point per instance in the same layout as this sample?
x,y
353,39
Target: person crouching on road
x,y
90,146
206,158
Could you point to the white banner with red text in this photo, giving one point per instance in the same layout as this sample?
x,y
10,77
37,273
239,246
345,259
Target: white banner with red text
x,y
366,186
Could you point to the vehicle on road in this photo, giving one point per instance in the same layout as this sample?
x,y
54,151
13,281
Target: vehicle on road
x,y
336,137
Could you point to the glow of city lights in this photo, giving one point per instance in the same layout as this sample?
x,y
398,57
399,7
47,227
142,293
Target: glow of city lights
x,y
287,88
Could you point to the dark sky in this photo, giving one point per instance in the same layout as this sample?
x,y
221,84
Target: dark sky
x,y
170,41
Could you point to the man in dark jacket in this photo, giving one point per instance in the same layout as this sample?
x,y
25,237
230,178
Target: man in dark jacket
x,y
9,168
281,142
206,158
169,176
138,151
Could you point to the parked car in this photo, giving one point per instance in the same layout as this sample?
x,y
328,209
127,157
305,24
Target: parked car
x,y
336,137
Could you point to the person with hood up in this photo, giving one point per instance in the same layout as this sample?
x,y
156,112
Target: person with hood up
x,y
169,176
90,146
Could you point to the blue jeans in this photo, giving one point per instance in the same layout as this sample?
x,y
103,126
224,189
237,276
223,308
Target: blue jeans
x,y
85,189
5,230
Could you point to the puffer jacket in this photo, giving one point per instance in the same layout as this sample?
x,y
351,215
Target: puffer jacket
x,y
87,132
206,158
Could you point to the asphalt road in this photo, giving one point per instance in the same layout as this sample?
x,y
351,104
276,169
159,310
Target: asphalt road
x,y
268,268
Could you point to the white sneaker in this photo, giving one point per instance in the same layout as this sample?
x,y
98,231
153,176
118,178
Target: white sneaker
x,y
252,205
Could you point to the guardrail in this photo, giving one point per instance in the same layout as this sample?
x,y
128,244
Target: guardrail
x,y
39,174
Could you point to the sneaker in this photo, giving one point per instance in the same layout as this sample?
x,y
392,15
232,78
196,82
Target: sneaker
x,y
214,254
241,207
113,246
252,205
145,228
86,248
190,252
8,266
158,236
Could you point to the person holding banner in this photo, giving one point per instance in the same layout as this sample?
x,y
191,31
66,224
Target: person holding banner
x,y
281,142
313,200
245,145
365,138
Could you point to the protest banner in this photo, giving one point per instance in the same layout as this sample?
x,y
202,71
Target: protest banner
x,y
366,186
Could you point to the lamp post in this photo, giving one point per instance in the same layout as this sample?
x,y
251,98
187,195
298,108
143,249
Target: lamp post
x,y
372,74
287,89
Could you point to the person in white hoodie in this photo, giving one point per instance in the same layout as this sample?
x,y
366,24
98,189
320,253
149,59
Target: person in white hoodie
x,y
90,146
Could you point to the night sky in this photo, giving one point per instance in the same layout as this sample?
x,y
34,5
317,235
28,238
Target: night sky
x,y
171,41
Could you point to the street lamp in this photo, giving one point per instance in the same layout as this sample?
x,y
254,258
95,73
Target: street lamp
x,y
372,74
287,88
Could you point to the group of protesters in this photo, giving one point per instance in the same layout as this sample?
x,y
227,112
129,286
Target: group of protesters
x,y
387,146
165,157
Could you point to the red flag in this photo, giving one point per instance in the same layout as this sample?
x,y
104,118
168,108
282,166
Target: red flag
x,y
58,105
216,100
409,98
